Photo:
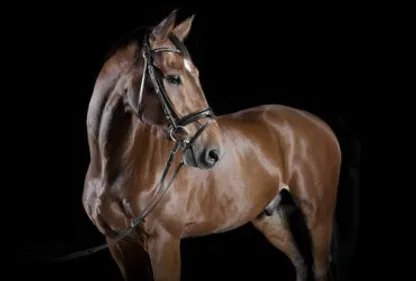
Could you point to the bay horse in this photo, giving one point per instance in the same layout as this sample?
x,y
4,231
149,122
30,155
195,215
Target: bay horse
x,y
164,167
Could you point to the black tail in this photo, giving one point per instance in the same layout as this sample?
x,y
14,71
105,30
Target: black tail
x,y
346,219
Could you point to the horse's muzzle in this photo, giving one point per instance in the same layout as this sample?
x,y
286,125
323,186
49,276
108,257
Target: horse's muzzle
x,y
201,158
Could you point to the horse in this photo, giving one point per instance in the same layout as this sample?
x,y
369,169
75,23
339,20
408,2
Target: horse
x,y
164,167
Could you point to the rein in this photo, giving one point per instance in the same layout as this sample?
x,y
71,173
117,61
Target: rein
x,y
176,131
135,222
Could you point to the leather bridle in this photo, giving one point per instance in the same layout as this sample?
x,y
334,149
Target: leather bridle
x,y
176,124
176,131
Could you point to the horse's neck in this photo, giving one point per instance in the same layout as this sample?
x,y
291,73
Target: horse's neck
x,y
149,154
132,155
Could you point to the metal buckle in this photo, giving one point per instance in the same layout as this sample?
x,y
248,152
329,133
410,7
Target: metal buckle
x,y
179,134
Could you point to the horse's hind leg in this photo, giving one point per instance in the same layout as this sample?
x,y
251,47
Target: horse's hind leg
x,y
132,260
276,229
320,232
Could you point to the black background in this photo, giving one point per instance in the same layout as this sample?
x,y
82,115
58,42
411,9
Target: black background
x,y
315,58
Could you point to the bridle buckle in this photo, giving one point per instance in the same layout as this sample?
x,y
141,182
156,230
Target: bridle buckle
x,y
179,134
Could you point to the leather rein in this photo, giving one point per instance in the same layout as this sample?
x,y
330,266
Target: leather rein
x,y
177,132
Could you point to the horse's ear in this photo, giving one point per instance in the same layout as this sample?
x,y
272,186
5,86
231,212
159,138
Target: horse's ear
x,y
182,30
162,30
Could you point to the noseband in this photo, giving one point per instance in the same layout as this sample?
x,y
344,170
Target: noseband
x,y
176,125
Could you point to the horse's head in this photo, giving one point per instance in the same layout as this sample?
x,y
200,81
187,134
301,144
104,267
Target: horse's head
x,y
162,88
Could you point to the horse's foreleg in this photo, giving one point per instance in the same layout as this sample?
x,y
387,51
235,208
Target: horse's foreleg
x,y
164,252
132,260
276,229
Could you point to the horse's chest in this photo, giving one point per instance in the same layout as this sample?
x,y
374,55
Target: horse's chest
x,y
106,211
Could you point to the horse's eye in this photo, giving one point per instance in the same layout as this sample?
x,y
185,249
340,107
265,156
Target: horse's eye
x,y
173,79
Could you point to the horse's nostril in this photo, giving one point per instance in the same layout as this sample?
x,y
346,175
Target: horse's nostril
x,y
209,158
213,156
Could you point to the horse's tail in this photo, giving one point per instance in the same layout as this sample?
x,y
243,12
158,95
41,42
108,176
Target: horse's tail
x,y
345,230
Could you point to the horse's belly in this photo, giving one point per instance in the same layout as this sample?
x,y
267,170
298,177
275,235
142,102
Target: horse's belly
x,y
195,229
230,206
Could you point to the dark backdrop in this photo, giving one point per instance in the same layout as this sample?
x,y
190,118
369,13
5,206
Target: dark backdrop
x,y
310,58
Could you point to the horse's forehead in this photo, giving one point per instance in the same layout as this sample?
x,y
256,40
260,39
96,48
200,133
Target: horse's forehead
x,y
165,43
169,60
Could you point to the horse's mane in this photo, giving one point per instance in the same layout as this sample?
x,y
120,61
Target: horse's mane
x,y
133,36
106,82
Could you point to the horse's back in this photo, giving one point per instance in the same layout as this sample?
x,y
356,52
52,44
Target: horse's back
x,y
307,146
283,117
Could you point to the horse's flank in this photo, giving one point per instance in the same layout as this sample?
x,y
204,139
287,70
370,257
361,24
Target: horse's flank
x,y
238,195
